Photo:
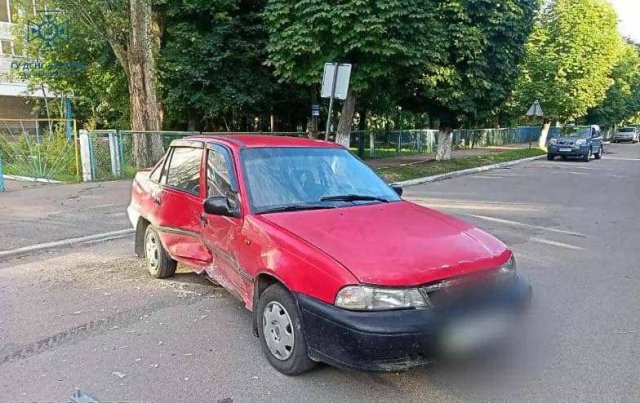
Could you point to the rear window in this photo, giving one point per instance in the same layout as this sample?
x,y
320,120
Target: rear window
x,y
184,169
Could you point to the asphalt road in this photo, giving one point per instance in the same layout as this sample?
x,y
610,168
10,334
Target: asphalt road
x,y
89,316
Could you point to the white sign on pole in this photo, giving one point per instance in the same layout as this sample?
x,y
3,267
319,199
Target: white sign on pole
x,y
336,81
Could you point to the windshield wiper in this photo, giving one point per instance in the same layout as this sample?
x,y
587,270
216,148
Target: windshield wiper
x,y
354,197
296,207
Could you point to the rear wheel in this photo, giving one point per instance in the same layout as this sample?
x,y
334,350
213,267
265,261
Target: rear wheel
x,y
280,331
159,263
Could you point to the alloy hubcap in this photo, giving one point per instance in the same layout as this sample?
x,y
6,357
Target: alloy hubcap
x,y
152,250
277,330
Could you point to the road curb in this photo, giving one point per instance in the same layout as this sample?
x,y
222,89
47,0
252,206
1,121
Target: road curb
x,y
455,174
105,236
30,179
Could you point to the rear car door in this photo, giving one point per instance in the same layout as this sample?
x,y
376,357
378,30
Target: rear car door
x,y
180,204
596,140
223,235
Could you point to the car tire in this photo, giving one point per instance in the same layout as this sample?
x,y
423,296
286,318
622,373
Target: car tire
x,y
158,262
280,332
550,157
587,156
598,155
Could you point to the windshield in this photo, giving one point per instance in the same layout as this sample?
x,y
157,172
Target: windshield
x,y
628,130
294,178
575,132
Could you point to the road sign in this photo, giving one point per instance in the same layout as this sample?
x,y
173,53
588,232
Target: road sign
x,y
335,84
315,110
535,110
336,81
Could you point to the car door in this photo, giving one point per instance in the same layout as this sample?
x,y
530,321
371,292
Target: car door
x,y
596,141
179,206
222,234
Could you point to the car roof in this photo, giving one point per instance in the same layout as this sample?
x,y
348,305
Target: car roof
x,y
260,141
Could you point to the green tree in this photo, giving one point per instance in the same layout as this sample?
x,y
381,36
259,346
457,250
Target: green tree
x,y
77,65
381,39
569,59
480,46
622,101
212,67
132,31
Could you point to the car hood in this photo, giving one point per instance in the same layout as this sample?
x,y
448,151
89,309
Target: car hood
x,y
571,139
395,244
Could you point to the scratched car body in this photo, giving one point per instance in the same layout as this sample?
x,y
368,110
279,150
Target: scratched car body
x,y
334,265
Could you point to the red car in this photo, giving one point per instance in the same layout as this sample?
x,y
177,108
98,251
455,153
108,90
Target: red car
x,y
334,265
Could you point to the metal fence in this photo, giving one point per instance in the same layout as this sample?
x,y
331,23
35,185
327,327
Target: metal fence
x,y
39,148
108,154
370,144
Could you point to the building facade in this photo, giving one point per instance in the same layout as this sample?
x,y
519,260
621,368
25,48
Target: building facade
x,y
16,101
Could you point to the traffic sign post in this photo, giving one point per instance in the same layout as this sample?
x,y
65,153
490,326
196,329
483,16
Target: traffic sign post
x,y
335,84
535,110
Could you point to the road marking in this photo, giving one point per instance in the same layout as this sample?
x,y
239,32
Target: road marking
x,y
519,224
556,243
623,159
105,236
475,205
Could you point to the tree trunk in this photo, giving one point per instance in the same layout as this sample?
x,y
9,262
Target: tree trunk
x,y
343,135
445,141
542,142
146,111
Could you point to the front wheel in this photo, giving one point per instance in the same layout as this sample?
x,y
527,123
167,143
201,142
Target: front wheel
x,y
598,155
587,156
159,263
550,157
280,331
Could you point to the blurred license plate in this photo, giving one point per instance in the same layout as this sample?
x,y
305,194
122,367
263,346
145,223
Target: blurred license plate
x,y
565,150
475,331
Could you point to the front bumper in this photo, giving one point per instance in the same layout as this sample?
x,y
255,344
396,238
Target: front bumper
x,y
569,151
387,341
623,138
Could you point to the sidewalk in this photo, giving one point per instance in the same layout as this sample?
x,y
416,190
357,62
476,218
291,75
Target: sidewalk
x,y
38,213
419,158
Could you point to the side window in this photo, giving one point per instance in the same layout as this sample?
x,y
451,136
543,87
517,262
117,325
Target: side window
x,y
184,169
155,174
220,177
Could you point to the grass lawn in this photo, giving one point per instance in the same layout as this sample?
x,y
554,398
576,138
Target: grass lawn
x,y
429,168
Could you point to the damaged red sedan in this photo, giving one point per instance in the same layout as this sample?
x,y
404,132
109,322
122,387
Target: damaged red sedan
x,y
334,265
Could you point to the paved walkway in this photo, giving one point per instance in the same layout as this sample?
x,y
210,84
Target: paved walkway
x,y
416,159
33,213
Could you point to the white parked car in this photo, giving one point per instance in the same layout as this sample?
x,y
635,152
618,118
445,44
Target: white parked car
x,y
631,134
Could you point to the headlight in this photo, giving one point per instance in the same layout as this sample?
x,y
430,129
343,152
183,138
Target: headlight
x,y
553,141
581,142
365,298
508,270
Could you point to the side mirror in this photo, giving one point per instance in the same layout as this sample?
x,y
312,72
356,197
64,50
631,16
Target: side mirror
x,y
220,205
397,189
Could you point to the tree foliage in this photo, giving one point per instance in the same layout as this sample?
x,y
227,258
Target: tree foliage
x,y
382,39
622,101
480,46
212,65
80,66
570,55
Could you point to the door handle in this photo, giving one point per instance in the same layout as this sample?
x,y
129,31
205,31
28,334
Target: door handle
x,y
203,219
